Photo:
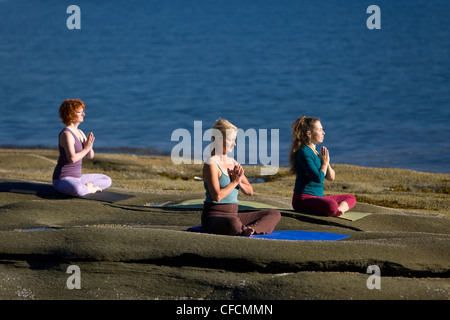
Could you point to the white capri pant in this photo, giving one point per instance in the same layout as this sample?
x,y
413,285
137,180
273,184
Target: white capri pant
x,y
77,186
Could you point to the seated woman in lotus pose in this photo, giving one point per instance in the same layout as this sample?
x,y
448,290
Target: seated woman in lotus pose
x,y
223,177
311,168
73,147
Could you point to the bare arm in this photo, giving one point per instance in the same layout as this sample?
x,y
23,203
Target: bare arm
x,y
325,157
244,184
86,142
211,177
67,141
330,174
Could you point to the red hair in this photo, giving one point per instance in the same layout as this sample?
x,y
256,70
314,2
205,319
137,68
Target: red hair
x,y
68,109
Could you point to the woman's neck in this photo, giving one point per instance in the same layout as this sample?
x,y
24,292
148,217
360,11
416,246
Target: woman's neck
x,y
224,159
313,147
73,126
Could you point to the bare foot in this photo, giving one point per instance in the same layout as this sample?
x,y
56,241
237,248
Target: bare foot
x,y
92,188
338,213
248,231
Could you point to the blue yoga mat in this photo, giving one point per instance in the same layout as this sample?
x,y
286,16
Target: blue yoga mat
x,y
301,235
291,235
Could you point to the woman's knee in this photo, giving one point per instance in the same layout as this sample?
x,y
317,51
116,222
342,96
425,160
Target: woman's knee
x,y
274,214
331,208
80,190
323,205
351,200
107,180
233,226
70,187
98,180
224,225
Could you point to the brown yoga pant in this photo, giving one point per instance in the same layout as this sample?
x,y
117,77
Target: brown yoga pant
x,y
225,219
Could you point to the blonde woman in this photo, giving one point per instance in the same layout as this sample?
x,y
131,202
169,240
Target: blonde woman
x,y
311,168
223,177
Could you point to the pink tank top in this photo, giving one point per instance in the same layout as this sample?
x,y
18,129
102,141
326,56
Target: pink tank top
x,y
64,168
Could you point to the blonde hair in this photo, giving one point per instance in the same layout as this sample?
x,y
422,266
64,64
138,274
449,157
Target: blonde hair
x,y
300,127
223,126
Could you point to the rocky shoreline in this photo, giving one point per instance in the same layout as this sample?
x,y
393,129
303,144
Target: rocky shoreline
x,y
129,250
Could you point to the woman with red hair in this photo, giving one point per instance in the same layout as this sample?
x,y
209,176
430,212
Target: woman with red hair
x,y
73,147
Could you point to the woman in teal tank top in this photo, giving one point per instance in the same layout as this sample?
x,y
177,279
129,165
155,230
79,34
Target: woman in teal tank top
x,y
312,168
223,178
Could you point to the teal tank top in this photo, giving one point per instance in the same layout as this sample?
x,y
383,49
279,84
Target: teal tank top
x,y
224,180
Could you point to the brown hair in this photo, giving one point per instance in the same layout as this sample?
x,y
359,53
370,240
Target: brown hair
x,y
299,137
68,109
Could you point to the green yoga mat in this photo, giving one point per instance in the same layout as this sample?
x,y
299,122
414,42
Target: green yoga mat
x,y
198,204
353,215
249,205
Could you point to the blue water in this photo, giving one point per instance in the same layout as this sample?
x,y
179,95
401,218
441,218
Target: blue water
x,y
146,68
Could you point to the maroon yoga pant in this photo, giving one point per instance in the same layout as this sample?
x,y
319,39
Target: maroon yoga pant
x,y
327,205
225,219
